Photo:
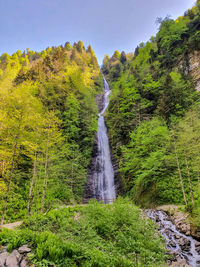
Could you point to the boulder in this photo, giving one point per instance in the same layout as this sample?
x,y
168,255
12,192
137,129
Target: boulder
x,y
24,263
13,259
24,249
172,244
198,250
3,257
180,263
196,233
184,243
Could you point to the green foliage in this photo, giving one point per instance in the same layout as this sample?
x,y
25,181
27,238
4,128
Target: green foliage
x,y
91,235
149,118
47,127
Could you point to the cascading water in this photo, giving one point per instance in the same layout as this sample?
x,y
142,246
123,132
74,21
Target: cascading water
x,y
180,244
102,173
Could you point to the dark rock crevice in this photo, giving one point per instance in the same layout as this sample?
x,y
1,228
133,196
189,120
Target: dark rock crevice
x,y
90,185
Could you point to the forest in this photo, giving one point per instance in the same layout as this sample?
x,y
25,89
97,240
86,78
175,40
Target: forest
x,y
48,126
153,116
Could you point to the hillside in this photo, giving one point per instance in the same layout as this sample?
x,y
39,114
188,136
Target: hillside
x,y
100,167
153,116
47,127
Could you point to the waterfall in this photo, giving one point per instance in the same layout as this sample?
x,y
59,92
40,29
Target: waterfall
x,y
102,174
181,245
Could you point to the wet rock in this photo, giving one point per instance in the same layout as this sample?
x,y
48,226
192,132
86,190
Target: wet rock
x,y
197,245
157,218
198,262
184,228
24,249
180,263
179,244
177,236
13,259
198,250
99,101
172,244
184,244
3,257
195,232
90,187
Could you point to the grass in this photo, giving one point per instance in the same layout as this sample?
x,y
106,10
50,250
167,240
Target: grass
x,y
91,235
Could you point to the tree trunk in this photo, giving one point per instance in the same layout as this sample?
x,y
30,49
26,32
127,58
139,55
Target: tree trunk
x,y
3,168
180,175
32,184
38,187
9,184
189,180
45,177
72,177
199,178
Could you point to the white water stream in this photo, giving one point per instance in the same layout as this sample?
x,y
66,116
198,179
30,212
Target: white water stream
x,y
103,175
184,246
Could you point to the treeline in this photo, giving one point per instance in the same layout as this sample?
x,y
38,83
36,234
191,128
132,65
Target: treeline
x,y
153,116
47,126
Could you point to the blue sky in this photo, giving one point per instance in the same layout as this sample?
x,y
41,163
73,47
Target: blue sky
x,y
105,24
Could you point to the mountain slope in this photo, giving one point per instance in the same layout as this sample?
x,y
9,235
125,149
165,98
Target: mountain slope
x,y
153,117
47,126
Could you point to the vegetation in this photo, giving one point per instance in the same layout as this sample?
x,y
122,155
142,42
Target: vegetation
x,y
47,127
48,121
153,116
91,235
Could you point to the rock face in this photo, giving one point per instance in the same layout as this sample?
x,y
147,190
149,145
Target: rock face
x,y
89,190
191,65
194,68
90,186
195,232
180,263
181,221
18,258
178,218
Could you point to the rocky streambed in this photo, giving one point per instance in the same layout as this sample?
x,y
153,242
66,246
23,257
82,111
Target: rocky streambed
x,y
184,249
17,258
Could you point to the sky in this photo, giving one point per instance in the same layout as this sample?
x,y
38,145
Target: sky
x,y
107,25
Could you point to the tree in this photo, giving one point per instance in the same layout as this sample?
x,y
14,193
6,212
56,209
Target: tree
x,y
116,56
123,57
80,47
68,46
19,117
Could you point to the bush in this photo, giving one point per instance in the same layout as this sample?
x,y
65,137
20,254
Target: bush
x,y
91,235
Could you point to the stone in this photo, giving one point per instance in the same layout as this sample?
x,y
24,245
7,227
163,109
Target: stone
x,y
180,263
24,249
3,249
184,243
172,244
177,236
3,257
13,259
198,250
24,263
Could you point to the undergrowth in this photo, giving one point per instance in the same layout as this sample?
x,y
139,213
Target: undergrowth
x,y
91,235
